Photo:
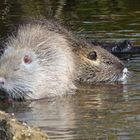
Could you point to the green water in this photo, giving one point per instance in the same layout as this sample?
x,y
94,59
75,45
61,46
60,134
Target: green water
x,y
103,112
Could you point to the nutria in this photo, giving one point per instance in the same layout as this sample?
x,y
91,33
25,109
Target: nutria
x,y
44,59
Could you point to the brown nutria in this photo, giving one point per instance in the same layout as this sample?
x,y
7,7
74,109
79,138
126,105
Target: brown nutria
x,y
44,59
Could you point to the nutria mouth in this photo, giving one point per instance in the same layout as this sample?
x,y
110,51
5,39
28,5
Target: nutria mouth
x,y
44,59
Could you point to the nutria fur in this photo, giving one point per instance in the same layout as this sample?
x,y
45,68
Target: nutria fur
x,y
44,59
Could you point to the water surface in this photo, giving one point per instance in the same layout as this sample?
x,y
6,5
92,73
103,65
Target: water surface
x,y
100,112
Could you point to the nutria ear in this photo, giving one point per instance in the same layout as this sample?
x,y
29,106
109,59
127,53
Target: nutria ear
x,y
27,59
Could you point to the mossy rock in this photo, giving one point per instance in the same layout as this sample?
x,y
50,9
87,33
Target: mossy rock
x,y
11,129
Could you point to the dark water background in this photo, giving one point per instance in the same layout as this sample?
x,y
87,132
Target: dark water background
x,y
101,112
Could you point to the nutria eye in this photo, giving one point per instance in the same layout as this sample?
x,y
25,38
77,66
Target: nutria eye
x,y
92,55
27,59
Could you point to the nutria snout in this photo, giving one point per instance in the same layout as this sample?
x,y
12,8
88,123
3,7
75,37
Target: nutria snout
x,y
44,59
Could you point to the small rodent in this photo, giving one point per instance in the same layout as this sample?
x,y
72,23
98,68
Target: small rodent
x,y
44,59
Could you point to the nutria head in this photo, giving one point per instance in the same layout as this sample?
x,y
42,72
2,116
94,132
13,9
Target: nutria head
x,y
37,63
41,62
98,65
18,70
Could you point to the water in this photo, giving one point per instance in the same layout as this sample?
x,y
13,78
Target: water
x,y
100,112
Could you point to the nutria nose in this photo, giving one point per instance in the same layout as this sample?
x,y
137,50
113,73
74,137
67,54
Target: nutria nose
x,y
125,70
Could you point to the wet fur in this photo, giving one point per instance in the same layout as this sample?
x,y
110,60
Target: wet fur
x,y
59,60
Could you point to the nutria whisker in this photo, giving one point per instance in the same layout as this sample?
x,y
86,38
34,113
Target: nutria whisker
x,y
18,92
14,94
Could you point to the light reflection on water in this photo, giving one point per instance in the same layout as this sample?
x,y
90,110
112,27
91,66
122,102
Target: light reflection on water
x,y
105,111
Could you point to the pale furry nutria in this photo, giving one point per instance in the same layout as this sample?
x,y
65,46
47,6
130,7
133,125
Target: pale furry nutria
x,y
44,59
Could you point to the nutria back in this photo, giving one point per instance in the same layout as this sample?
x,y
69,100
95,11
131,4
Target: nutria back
x,y
44,59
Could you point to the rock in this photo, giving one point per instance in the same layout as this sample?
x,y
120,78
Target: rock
x,y
116,48
124,50
11,129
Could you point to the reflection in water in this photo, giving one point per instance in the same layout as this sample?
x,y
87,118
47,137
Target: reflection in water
x,y
106,112
101,111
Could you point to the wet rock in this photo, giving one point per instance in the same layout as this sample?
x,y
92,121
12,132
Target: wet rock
x,y
115,48
124,47
124,50
11,129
